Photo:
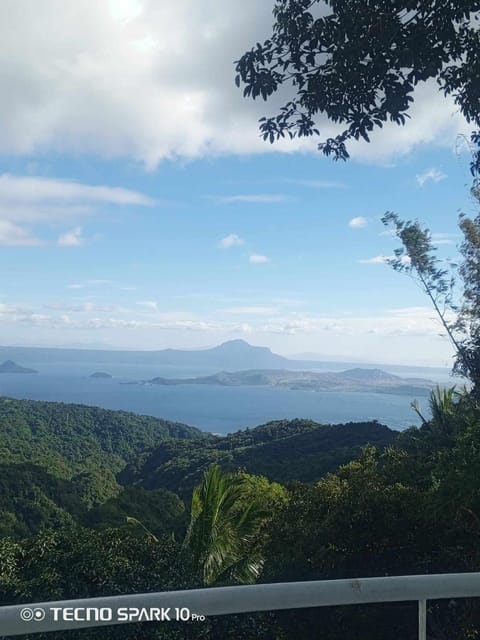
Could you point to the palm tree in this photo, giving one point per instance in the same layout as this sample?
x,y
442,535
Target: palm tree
x,y
442,405
222,528
449,410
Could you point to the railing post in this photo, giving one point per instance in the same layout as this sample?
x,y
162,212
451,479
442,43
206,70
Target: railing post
x,y
422,620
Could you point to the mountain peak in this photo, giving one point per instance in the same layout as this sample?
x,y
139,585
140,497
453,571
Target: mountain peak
x,y
9,366
239,354
238,345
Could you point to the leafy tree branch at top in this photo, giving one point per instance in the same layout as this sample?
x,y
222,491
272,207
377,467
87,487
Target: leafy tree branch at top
x,y
358,62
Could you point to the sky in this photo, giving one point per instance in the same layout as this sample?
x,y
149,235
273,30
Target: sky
x,y
140,209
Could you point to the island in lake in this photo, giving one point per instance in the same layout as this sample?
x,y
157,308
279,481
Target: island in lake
x,y
365,380
9,366
100,374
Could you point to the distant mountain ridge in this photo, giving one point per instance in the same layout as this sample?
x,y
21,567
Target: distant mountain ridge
x,y
234,353
231,355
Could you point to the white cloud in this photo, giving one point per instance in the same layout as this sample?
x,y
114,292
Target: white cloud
x,y
28,189
258,259
11,235
358,222
434,175
232,240
434,120
99,281
389,233
444,238
85,307
149,304
375,260
408,334
255,198
124,10
95,282
27,201
409,321
156,85
18,314
405,321
316,184
383,260
72,238
251,310
156,81
412,311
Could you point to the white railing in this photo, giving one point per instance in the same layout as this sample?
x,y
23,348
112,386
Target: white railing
x,y
196,604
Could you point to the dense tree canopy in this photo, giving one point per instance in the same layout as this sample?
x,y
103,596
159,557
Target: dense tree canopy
x,y
78,563
408,505
358,63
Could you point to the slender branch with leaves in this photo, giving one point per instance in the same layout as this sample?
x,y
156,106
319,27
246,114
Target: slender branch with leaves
x,y
416,258
453,289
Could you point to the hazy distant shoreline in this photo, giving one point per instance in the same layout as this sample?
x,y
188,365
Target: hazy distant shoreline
x,y
233,355
64,376
351,380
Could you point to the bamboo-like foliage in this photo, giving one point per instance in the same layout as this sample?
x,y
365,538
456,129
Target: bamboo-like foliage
x,y
453,290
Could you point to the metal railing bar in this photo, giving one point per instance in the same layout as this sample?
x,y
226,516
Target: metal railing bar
x,y
251,598
422,620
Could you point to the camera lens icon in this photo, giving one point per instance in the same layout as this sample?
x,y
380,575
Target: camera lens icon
x,y
27,614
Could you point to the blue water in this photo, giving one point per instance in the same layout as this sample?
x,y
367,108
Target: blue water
x,y
211,408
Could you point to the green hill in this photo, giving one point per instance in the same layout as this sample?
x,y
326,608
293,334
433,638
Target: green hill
x,y
69,438
283,451
59,461
64,464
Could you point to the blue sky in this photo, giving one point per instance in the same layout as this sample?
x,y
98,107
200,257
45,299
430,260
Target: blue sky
x,y
139,209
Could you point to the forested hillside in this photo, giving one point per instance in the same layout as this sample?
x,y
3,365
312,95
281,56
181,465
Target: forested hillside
x,y
63,464
59,461
66,437
283,451
405,503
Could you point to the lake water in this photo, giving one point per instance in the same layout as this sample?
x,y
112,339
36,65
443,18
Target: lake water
x,y
211,408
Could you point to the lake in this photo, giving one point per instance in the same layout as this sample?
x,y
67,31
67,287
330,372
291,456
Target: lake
x,y
211,408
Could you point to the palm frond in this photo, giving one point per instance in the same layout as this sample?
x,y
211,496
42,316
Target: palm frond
x,y
220,531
